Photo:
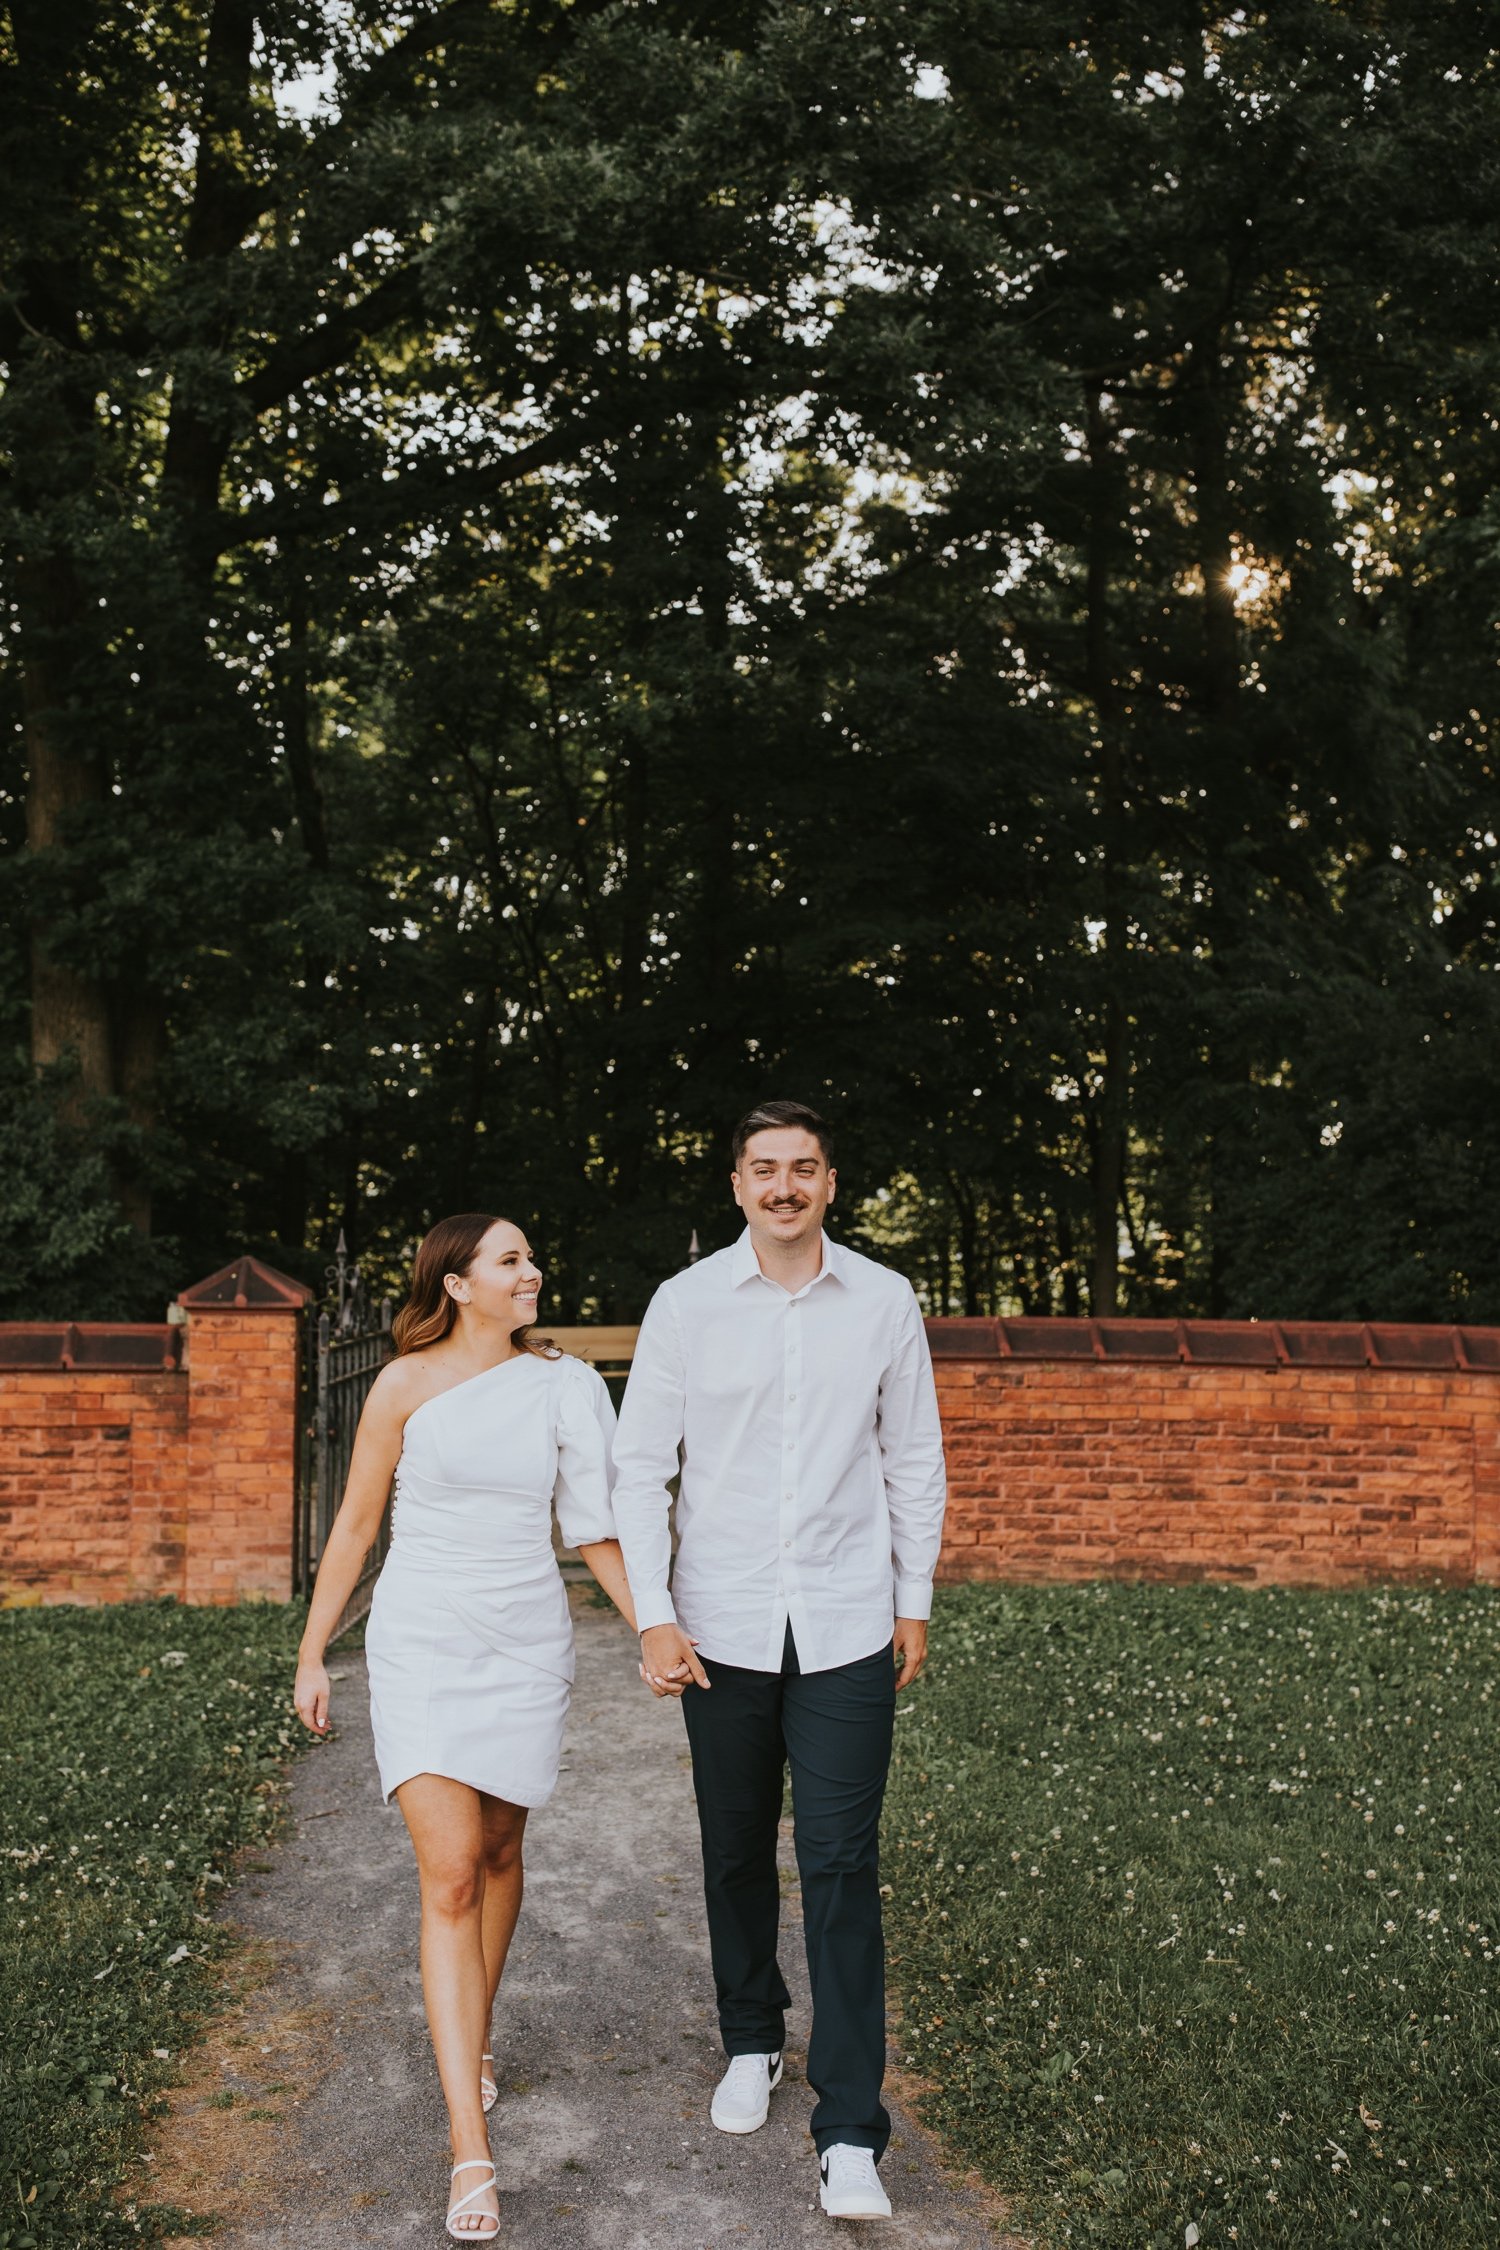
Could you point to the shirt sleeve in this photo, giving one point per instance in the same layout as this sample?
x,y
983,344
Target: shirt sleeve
x,y
911,1449
646,1459
585,1427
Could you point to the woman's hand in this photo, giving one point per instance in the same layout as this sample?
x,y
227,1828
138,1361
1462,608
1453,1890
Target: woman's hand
x,y
669,1660
311,1694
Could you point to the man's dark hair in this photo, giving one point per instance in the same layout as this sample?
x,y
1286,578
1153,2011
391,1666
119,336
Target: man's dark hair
x,y
767,1116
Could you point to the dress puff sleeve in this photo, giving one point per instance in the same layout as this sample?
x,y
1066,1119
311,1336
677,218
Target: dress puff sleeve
x,y
585,1435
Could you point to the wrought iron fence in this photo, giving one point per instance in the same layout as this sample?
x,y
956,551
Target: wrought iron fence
x,y
347,1345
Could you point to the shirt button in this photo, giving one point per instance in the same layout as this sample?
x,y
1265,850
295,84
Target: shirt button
x,y
790,1396
786,1542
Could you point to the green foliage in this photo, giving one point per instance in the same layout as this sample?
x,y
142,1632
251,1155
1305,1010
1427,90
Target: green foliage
x,y
1194,1914
66,1249
143,1747
614,560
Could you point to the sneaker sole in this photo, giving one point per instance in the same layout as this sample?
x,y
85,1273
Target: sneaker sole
x,y
748,2124
852,2214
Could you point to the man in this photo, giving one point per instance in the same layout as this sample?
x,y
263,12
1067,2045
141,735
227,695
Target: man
x,y
792,1376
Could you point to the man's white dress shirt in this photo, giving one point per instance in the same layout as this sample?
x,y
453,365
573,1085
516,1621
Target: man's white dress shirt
x,y
811,1455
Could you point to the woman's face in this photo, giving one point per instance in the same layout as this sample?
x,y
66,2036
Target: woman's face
x,y
502,1283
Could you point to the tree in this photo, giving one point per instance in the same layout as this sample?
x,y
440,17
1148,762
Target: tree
x,y
569,567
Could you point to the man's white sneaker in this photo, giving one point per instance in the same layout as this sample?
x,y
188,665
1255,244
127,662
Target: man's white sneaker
x,y
742,2098
849,2185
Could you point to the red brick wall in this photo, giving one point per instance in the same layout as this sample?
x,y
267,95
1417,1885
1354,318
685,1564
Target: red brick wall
x,y
116,1486
1325,1475
92,1484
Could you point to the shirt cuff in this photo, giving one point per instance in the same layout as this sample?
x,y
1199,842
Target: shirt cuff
x,y
653,1609
914,1597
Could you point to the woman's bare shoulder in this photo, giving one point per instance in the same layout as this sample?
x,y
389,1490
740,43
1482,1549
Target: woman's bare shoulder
x,y
404,1382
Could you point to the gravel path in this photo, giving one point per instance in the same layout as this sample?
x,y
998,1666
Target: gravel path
x,y
313,2114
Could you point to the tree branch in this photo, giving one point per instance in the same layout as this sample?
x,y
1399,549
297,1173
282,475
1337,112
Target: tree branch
x,y
317,351
418,492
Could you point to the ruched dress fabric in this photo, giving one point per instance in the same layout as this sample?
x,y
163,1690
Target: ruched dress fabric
x,y
469,1642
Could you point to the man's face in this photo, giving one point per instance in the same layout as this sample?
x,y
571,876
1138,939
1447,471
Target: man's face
x,y
784,1185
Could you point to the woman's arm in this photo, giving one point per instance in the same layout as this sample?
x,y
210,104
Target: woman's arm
x,y
377,1449
607,1564
585,1425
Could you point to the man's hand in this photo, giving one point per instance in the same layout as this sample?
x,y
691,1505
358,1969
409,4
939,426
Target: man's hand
x,y
669,1660
911,1649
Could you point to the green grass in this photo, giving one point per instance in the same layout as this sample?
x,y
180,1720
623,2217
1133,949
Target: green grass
x,y
1196,1904
141,1746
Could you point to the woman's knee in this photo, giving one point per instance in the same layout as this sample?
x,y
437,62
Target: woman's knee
x,y
502,1848
453,1890
504,1830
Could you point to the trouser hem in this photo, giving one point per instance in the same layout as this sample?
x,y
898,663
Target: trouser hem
x,y
850,2136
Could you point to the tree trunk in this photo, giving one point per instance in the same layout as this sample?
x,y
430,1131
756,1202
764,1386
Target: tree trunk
x,y
1215,543
629,1094
140,1034
1108,1170
944,1264
69,1005
1218,697
296,718
1067,1264
968,1243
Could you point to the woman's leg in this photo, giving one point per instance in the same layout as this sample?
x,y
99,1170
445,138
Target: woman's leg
x,y
447,1829
504,1827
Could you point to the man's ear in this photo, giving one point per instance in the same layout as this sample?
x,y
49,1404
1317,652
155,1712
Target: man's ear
x,y
833,1183
734,1182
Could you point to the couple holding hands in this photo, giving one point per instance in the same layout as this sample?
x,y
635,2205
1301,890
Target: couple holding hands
x,y
788,1380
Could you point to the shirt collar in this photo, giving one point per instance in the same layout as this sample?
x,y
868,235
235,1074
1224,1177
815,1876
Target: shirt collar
x,y
745,1266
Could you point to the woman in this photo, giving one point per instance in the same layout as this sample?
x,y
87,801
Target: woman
x,y
469,1643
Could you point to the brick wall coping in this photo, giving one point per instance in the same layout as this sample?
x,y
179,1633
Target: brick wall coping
x,y
140,1347
61,1346
246,1285
57,1348
1223,1343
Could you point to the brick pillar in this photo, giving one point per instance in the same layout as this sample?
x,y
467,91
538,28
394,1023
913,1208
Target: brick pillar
x,y
1486,1491
243,1350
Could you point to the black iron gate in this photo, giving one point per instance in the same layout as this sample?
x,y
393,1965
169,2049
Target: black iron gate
x,y
347,1345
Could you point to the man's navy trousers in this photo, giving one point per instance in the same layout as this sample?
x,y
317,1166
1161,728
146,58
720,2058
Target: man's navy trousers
x,y
834,1730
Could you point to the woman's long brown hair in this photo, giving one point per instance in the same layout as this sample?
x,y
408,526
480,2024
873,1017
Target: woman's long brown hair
x,y
429,1312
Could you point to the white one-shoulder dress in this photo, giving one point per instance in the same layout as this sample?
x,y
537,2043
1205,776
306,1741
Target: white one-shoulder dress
x,y
469,1642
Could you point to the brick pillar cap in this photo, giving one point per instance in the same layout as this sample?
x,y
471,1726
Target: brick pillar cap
x,y
247,1285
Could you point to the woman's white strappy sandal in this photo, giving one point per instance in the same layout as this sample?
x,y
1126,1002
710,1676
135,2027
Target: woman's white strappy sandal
x,y
489,2092
484,2232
